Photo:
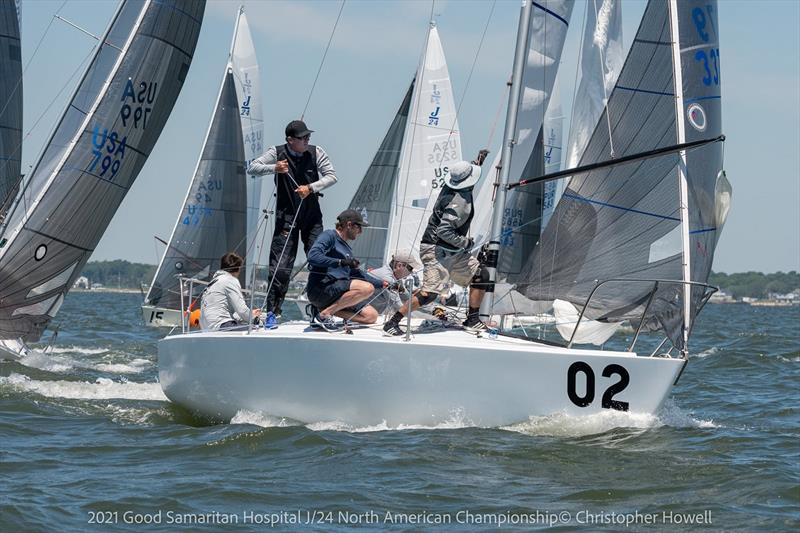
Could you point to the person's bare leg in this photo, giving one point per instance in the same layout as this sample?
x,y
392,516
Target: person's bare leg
x,y
367,315
476,296
359,291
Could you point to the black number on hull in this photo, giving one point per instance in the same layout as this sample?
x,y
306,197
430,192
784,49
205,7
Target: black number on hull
x,y
619,386
580,401
608,401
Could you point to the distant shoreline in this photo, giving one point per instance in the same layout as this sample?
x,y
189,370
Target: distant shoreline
x,y
107,289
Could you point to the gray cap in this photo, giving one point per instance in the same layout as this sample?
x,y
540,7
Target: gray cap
x,y
406,256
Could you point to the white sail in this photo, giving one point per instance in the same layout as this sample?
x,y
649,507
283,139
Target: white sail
x,y
248,92
432,143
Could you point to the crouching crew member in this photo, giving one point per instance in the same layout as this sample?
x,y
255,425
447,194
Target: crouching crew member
x,y
446,249
336,286
222,304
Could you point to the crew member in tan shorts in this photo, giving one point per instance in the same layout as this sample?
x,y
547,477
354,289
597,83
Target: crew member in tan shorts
x,y
446,248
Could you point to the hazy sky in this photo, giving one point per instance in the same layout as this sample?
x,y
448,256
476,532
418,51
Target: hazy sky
x,y
372,59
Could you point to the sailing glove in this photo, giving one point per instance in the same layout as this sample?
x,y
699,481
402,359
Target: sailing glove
x,y
351,262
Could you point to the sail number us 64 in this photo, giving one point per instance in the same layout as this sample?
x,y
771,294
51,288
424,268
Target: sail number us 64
x,y
586,399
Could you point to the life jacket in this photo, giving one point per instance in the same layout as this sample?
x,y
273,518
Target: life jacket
x,y
303,170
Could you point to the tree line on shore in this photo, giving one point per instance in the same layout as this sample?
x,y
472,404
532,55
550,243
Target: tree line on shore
x,y
126,275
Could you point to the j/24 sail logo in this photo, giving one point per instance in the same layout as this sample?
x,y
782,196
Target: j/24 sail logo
x,y
138,102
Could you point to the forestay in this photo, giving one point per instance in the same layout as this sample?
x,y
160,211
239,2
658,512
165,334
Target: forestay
x,y
213,218
93,157
624,221
373,198
247,81
432,142
10,103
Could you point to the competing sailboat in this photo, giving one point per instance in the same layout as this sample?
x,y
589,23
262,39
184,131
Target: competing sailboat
x,y
221,204
10,104
91,160
665,197
400,187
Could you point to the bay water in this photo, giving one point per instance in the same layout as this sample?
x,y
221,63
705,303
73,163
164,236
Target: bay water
x,y
88,442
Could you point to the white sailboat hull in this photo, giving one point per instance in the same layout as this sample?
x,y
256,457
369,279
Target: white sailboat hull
x,y
367,379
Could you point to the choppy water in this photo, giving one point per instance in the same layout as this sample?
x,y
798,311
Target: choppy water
x,y
88,436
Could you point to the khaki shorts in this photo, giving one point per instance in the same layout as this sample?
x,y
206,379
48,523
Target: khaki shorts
x,y
440,266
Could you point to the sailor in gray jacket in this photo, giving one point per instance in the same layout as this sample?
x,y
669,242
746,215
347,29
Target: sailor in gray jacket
x,y
446,248
222,304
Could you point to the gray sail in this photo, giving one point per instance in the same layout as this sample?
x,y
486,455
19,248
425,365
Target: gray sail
x,y
522,218
376,191
213,219
10,102
93,157
624,221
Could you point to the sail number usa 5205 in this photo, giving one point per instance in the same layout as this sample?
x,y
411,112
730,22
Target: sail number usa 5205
x,y
586,399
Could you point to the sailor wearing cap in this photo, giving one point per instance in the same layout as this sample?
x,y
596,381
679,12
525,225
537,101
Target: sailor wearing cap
x,y
446,248
301,171
336,286
402,265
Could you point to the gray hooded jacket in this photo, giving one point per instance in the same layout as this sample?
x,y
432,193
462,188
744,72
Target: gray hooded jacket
x,y
222,301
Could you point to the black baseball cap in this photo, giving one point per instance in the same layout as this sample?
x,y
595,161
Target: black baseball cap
x,y
351,215
297,128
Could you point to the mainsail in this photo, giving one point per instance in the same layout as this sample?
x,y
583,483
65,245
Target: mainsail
x,y
641,220
10,103
247,81
431,143
93,157
373,198
212,220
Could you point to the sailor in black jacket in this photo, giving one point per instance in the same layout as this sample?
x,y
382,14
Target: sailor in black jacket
x,y
301,171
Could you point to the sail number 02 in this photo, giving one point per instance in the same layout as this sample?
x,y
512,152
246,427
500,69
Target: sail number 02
x,y
588,397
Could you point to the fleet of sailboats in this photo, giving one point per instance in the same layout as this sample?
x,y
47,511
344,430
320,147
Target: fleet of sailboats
x,y
644,218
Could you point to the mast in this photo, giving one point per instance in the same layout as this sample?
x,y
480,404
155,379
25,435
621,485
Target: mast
x,y
493,248
682,180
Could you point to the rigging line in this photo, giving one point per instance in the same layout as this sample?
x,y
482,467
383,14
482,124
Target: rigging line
x,y
461,100
603,74
319,70
28,64
280,257
614,162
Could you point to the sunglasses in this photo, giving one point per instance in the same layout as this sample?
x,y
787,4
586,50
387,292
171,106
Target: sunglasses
x,y
303,138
